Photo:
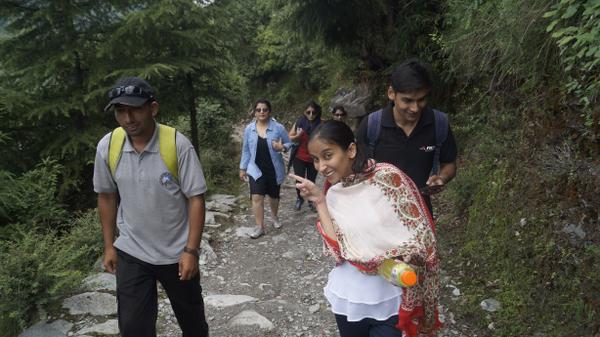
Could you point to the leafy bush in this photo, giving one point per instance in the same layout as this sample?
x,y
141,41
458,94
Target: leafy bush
x,y
512,244
217,154
574,25
500,46
38,268
31,198
221,168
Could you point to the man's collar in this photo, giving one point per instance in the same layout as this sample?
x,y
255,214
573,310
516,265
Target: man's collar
x,y
152,145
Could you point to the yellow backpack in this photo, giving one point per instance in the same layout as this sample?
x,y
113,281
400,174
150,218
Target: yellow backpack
x,y
166,145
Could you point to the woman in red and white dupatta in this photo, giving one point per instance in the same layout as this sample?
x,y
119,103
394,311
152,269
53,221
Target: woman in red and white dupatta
x,y
372,212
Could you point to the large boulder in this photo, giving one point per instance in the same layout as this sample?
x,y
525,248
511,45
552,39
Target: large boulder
x,y
354,100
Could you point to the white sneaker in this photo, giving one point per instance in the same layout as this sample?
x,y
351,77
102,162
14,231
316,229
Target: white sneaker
x,y
277,224
257,233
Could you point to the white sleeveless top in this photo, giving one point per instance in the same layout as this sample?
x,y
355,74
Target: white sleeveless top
x,y
357,295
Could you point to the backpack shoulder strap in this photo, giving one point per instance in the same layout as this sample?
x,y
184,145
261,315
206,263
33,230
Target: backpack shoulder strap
x,y
373,129
441,133
166,144
168,148
441,126
115,148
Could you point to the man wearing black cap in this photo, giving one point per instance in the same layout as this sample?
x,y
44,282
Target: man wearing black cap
x,y
158,210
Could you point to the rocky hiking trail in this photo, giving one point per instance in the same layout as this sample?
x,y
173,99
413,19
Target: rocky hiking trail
x,y
271,286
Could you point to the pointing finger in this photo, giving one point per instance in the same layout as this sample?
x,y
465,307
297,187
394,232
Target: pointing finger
x,y
298,178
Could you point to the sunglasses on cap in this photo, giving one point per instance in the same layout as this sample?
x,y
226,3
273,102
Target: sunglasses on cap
x,y
129,90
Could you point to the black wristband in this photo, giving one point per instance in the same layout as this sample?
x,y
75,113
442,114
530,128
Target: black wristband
x,y
195,252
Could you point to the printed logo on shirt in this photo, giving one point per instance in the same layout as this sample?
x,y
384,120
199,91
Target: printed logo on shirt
x,y
429,148
166,179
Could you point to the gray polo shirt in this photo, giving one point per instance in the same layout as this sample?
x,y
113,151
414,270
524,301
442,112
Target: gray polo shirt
x,y
152,217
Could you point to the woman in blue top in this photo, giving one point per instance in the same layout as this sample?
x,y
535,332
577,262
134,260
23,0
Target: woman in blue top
x,y
262,163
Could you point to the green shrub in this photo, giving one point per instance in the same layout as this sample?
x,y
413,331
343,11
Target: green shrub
x,y
574,26
511,245
38,268
221,168
218,155
32,198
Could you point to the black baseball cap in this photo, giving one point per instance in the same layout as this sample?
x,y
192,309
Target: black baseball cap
x,y
130,91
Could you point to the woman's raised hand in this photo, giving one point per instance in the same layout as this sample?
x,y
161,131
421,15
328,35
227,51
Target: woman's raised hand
x,y
277,145
308,189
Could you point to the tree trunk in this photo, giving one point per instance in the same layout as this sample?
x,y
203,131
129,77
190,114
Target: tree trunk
x,y
193,111
392,8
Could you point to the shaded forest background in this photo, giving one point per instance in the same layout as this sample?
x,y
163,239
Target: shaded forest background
x,y
520,80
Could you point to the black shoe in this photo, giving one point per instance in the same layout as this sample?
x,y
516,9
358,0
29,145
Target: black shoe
x,y
312,206
299,202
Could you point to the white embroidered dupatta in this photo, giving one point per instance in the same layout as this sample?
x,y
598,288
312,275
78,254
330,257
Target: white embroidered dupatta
x,y
379,215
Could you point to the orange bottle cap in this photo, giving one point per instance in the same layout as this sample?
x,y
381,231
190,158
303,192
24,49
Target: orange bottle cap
x,y
409,278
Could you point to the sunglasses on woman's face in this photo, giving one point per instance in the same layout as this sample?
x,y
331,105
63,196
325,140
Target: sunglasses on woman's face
x,y
310,112
339,115
261,110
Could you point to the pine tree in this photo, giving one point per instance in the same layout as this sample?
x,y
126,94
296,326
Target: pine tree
x,y
50,95
178,46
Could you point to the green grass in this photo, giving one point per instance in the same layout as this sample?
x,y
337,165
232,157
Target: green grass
x,y
509,209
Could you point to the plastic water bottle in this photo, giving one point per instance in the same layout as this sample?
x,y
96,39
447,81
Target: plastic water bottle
x,y
398,273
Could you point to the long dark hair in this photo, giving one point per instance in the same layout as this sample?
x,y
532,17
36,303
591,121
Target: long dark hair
x,y
340,134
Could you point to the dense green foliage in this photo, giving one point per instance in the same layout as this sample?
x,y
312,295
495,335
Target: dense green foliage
x,y
58,60
31,200
520,80
38,268
575,26
530,152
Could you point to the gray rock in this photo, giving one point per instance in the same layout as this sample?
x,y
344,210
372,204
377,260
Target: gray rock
x,y
290,254
354,100
490,305
59,328
455,290
207,254
280,238
226,199
249,317
101,281
221,215
217,206
243,232
224,301
575,230
93,303
110,327
209,218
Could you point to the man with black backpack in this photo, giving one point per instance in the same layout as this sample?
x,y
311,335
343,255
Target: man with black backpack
x,y
409,134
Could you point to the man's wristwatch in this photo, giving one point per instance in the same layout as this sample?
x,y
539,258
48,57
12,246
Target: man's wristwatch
x,y
195,252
